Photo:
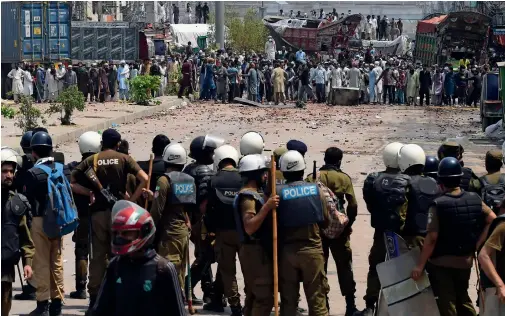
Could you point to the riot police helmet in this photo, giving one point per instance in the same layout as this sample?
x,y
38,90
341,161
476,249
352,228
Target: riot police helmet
x,y
175,154
26,140
251,143
41,139
292,161
251,163
390,155
225,152
411,155
449,167
202,148
431,165
9,155
90,142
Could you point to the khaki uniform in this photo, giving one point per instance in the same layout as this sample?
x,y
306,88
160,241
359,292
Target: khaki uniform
x,y
8,272
340,184
491,178
112,169
301,259
257,269
172,233
450,275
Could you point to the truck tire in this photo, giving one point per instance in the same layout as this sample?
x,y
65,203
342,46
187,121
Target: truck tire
x,y
486,121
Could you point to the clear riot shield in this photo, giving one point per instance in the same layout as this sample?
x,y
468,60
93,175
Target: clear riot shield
x,y
213,142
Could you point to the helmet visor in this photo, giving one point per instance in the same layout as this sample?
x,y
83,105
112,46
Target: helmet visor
x,y
212,142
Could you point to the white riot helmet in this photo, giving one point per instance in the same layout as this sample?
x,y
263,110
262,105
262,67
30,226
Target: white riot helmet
x,y
252,163
10,155
390,155
251,143
90,142
411,155
225,152
292,161
175,154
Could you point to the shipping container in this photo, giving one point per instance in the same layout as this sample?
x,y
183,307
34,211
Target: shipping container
x,y
35,31
97,41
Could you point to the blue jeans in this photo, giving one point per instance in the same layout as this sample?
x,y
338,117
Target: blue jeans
x,y
400,96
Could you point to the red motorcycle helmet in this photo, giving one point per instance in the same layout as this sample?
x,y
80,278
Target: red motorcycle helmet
x,y
129,217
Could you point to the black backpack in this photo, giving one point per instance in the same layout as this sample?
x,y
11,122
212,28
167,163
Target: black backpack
x,y
493,194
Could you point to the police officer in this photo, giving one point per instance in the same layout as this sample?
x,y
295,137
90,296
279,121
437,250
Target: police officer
x,y
160,142
201,150
16,238
111,169
279,178
175,193
301,210
48,260
431,167
422,192
28,291
469,181
58,156
251,143
254,223
219,219
341,185
89,144
457,225
385,197
492,185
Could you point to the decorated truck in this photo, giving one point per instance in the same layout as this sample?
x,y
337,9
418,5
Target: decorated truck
x,y
444,38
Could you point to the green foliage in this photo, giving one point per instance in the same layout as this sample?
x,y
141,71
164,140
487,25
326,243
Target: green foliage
x,y
242,34
68,100
141,87
8,112
28,115
173,82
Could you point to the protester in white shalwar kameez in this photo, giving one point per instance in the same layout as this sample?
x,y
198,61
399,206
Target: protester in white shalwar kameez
x,y
17,81
52,85
27,83
163,83
60,74
270,48
378,86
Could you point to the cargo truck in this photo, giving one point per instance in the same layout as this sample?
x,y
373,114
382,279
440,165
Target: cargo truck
x,y
447,38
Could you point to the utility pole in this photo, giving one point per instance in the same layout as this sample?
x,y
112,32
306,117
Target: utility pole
x,y
220,24
262,10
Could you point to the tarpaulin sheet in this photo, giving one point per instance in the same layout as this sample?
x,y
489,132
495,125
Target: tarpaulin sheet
x,y
184,33
429,26
400,46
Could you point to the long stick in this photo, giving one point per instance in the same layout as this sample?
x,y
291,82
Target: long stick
x,y
189,295
148,184
20,276
274,235
480,289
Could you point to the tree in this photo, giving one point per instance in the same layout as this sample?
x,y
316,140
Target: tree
x,y
242,34
68,100
141,87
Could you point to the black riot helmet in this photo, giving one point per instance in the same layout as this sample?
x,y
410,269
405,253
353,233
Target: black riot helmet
x,y
26,140
431,166
41,139
202,148
449,167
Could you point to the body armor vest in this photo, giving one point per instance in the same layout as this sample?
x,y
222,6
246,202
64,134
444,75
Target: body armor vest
x,y
244,237
390,194
159,169
225,186
424,190
368,189
13,211
465,178
300,204
183,188
461,222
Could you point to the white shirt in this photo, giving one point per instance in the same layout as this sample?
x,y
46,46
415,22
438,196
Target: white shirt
x,y
374,23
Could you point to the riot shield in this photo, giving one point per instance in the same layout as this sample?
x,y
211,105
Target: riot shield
x,y
400,294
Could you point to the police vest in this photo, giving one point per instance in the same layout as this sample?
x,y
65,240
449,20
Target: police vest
x,y
244,237
465,179
159,169
225,186
461,222
368,189
389,196
14,210
486,283
202,175
424,190
300,204
183,188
